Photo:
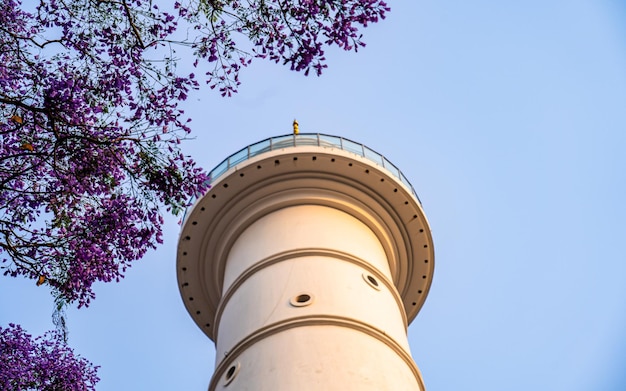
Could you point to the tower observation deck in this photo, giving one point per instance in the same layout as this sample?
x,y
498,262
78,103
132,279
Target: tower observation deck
x,y
304,263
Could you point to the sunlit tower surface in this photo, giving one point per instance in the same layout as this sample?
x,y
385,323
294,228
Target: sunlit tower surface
x,y
304,263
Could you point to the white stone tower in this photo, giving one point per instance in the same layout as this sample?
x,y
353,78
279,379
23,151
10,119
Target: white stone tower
x,y
305,263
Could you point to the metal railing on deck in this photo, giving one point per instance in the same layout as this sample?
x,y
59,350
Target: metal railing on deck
x,y
307,139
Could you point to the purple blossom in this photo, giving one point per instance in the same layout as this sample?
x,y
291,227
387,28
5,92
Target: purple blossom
x,y
43,363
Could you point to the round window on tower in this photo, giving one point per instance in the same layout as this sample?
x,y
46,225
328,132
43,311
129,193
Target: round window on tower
x,y
301,300
371,281
231,373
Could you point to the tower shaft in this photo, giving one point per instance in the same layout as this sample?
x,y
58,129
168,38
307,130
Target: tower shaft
x,y
305,264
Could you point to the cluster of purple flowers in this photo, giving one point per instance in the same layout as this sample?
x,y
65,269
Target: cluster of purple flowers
x,y
42,363
89,141
292,32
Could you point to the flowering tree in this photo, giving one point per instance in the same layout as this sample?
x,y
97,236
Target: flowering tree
x,y
90,123
41,363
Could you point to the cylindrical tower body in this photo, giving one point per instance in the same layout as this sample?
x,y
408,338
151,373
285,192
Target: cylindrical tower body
x,y
305,262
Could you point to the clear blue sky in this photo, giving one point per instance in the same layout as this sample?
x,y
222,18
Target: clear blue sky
x,y
509,118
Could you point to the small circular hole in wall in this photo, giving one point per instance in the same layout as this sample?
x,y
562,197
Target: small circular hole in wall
x,y
295,158
314,158
241,175
301,300
231,373
371,280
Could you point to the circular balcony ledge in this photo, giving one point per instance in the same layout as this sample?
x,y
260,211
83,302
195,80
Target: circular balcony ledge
x,y
298,173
